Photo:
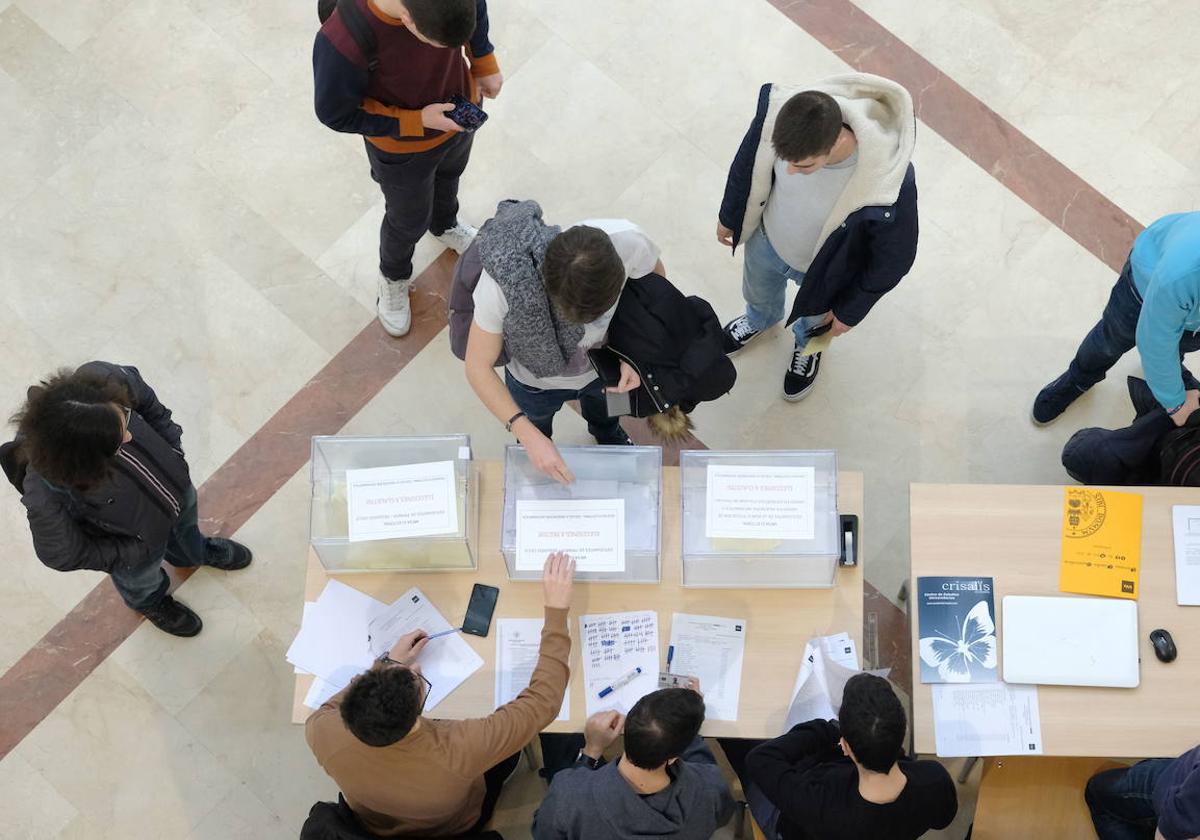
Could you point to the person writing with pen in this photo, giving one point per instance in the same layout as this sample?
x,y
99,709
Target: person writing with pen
x,y
402,773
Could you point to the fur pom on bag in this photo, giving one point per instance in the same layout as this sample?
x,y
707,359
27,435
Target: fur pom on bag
x,y
672,425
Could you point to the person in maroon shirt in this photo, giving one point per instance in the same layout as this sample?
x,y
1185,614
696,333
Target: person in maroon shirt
x,y
399,105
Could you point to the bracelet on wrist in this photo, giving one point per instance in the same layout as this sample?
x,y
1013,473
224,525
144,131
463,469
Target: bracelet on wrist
x,y
508,426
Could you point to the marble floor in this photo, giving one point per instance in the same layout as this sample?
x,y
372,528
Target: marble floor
x,y
169,200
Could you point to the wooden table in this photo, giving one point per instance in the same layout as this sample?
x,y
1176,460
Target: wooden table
x,y
1014,534
779,621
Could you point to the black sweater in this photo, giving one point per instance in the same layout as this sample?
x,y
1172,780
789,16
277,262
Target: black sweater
x,y
815,788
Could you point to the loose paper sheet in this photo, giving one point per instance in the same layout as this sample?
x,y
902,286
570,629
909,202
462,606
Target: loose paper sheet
x,y
446,662
332,642
319,692
1102,542
829,661
613,645
760,502
1186,521
710,649
414,500
976,719
518,641
592,531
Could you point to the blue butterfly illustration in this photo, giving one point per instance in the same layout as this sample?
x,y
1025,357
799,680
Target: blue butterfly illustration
x,y
976,645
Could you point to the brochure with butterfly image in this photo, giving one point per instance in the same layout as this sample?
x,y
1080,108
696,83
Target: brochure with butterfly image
x,y
956,623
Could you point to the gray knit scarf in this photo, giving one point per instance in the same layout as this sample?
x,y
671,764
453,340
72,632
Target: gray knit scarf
x,y
512,246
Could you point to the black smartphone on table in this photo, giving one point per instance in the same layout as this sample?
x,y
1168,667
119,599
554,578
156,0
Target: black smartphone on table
x,y
479,610
466,113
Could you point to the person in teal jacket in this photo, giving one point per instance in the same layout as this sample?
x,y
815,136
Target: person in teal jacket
x,y
1155,304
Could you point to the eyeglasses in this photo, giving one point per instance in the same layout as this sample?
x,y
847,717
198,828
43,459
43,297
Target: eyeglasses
x,y
428,690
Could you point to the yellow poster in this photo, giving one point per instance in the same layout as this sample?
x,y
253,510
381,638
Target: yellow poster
x,y
1102,542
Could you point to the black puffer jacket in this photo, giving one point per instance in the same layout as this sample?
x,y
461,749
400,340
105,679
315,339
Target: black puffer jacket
x,y
674,342
125,519
1128,456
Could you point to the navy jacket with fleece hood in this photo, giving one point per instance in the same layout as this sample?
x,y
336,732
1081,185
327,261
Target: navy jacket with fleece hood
x,y
586,804
869,241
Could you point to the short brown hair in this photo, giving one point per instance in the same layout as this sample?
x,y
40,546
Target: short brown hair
x,y
68,428
450,23
808,125
584,273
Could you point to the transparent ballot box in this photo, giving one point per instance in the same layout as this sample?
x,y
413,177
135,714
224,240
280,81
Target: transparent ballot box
x,y
416,509
760,519
632,474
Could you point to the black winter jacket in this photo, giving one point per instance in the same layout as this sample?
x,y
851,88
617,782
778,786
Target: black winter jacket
x,y
1128,456
674,342
123,520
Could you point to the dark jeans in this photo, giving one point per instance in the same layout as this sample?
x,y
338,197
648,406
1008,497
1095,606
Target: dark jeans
x,y
420,191
559,752
1122,800
1116,335
143,586
541,406
493,781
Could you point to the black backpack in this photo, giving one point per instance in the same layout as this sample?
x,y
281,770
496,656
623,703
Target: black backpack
x,y
360,30
1179,455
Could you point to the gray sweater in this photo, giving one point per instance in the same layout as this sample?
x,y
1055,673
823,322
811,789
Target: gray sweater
x,y
585,804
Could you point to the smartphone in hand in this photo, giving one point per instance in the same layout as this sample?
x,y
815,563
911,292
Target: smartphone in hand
x,y
466,113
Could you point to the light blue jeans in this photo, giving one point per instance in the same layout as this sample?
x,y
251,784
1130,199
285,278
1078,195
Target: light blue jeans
x,y
765,277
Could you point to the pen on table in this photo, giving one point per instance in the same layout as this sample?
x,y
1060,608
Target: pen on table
x,y
670,656
622,682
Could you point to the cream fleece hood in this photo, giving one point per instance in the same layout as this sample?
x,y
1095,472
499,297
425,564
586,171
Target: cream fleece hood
x,y
879,112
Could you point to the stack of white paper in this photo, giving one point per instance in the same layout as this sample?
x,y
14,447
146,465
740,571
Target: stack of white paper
x,y
710,649
829,662
1186,522
518,641
993,718
620,659
344,631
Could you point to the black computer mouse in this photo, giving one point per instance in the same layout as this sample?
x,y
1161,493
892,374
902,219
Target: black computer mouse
x,y
1164,645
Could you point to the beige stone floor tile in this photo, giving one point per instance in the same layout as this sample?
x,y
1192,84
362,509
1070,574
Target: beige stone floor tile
x,y
517,33
602,164
272,588
123,762
43,812
309,182
71,23
251,734
174,68
175,671
241,816
277,37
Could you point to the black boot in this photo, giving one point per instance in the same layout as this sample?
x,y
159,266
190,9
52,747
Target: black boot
x,y
170,616
227,555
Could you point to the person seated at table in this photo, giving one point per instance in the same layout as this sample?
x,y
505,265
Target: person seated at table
x,y
1158,798
666,785
403,773
848,778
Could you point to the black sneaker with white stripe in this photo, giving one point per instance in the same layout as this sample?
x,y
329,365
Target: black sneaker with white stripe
x,y
739,333
801,374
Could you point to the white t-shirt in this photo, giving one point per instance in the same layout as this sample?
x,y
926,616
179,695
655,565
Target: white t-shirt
x,y
637,252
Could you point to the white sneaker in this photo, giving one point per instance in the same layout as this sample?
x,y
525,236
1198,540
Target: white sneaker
x,y
392,306
458,238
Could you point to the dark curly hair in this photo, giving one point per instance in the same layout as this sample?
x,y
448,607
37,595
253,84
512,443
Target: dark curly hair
x,y
68,429
382,705
661,725
583,272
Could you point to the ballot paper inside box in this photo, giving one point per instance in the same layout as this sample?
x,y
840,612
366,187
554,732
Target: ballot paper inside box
x,y
427,490
760,518
632,474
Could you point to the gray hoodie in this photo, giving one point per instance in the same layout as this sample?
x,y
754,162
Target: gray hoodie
x,y
585,804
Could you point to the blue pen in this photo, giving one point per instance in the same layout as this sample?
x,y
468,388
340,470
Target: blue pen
x,y
443,633
621,683
670,656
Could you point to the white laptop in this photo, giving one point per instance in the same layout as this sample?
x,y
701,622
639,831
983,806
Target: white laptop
x,y
1070,641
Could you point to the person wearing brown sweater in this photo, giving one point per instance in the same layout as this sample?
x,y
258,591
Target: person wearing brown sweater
x,y
403,773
